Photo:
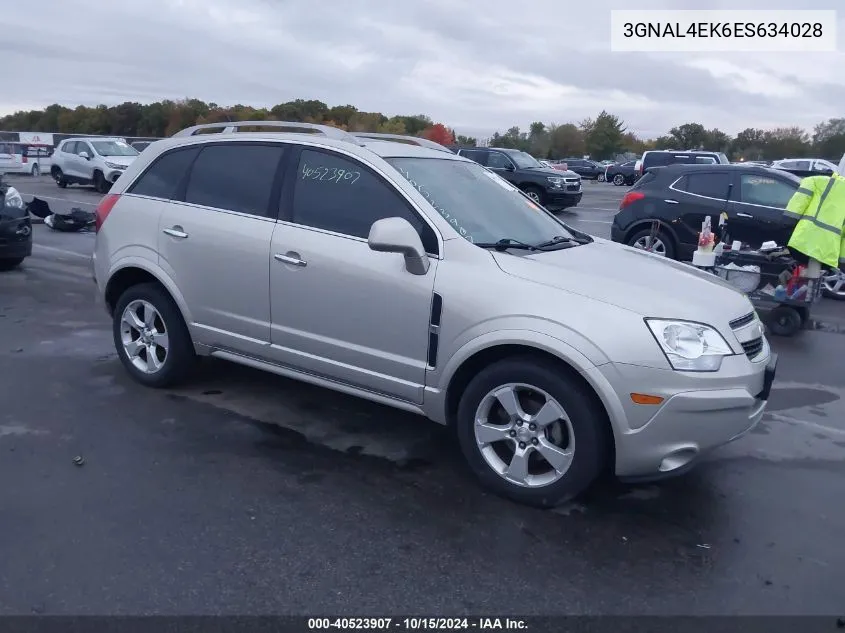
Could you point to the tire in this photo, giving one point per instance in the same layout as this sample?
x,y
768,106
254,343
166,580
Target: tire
x,y
587,425
535,193
100,183
59,176
833,284
640,240
619,180
36,171
600,178
785,321
178,361
10,263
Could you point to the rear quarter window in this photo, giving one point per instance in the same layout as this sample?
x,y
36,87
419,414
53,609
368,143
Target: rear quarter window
x,y
655,159
164,176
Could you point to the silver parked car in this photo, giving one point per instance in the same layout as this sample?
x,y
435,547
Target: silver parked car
x,y
402,273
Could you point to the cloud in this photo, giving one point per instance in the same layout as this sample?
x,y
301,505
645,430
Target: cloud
x,y
477,65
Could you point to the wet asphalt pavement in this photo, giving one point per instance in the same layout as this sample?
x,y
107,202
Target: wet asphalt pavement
x,y
246,493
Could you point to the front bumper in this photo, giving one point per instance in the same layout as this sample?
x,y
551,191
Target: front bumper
x,y
15,238
700,412
560,199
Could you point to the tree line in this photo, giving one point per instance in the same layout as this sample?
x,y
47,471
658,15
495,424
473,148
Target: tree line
x,y
604,137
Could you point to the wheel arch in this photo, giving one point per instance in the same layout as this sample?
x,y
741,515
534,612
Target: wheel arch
x,y
576,367
132,273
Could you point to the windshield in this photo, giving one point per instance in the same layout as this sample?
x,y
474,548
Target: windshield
x,y
525,161
480,206
114,148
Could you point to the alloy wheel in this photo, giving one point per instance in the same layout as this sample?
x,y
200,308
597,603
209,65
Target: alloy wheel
x,y
651,244
833,281
524,435
144,336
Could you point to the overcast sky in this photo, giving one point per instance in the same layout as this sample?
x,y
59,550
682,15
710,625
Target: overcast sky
x,y
475,65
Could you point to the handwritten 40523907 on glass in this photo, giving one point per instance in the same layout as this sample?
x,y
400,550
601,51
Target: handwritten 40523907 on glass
x,y
329,174
711,31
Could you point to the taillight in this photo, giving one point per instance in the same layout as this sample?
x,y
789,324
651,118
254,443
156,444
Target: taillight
x,y
23,158
630,198
103,209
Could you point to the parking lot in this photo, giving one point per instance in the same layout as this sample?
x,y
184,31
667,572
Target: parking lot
x,y
247,493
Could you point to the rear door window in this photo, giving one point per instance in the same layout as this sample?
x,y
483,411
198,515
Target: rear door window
x,y
163,178
235,176
478,156
709,184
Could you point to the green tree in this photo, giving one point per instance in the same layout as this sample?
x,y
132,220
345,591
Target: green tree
x,y
605,136
829,139
567,140
689,136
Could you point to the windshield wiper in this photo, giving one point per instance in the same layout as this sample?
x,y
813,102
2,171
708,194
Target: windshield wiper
x,y
563,242
505,243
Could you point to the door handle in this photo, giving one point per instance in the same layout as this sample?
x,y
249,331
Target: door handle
x,y
671,201
176,231
744,215
287,259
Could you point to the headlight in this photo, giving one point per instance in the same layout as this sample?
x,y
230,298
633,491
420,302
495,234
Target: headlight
x,y
690,346
13,199
115,166
555,180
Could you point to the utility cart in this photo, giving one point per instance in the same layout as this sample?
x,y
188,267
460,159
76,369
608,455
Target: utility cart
x,y
775,283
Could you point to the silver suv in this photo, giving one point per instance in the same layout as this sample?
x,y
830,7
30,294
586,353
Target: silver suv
x,y
410,276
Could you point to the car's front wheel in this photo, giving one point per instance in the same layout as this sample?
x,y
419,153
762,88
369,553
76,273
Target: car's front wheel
x,y
151,337
532,433
600,178
535,193
619,180
59,177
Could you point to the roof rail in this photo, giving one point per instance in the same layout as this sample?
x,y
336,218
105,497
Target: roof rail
x,y
292,127
403,138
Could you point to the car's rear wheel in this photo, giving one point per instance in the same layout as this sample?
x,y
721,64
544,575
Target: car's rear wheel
x,y
600,178
532,433
619,180
833,284
660,243
36,171
535,193
8,263
59,176
151,337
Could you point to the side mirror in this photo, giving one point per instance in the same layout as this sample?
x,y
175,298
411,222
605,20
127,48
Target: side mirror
x,y
396,235
84,155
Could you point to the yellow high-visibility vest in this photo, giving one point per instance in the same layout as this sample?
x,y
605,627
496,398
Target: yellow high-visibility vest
x,y
819,207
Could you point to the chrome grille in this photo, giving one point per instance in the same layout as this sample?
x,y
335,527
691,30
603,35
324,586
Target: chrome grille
x,y
753,347
743,320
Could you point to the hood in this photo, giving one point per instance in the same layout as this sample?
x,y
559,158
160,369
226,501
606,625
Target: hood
x,y
632,279
555,172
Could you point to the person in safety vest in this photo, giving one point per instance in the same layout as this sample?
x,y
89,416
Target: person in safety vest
x,y
819,207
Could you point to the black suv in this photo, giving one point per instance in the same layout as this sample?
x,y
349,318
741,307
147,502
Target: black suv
x,y
681,196
665,157
15,227
555,190
587,169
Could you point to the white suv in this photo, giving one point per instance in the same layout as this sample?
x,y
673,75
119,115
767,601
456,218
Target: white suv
x,y
419,279
93,161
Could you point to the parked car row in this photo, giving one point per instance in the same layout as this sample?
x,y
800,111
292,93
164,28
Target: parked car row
x,y
555,356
